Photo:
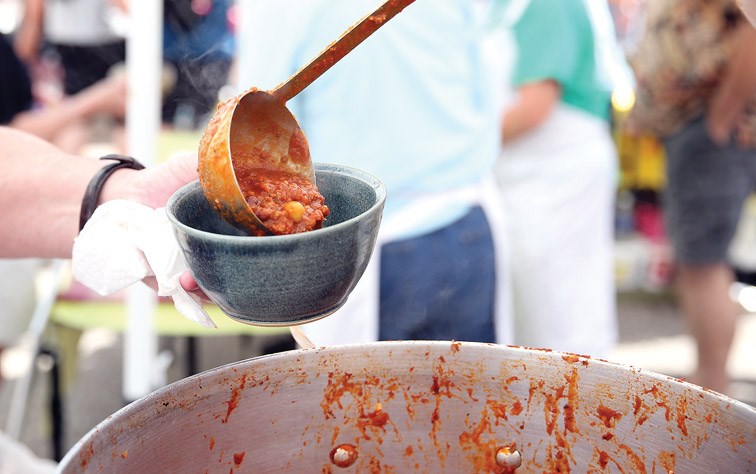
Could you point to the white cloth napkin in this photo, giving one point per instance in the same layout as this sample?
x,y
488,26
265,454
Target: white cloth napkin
x,y
124,242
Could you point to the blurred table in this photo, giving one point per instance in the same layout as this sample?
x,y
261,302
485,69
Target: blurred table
x,y
171,142
167,322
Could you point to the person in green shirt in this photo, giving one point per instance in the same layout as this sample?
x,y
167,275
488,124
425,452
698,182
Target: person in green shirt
x,y
556,176
556,63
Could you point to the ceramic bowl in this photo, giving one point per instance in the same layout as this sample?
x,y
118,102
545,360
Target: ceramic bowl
x,y
282,280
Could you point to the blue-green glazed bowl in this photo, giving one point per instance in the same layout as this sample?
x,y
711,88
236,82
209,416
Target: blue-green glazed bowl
x,y
282,280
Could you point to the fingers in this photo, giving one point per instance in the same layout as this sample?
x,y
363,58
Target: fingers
x,y
188,282
184,166
155,185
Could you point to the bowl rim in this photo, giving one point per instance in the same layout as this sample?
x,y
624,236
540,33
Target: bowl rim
x,y
378,186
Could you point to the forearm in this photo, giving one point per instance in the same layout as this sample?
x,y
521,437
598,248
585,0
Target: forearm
x,y
531,108
34,11
45,123
518,120
106,96
738,85
29,34
40,220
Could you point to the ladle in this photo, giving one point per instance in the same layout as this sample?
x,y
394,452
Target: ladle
x,y
254,131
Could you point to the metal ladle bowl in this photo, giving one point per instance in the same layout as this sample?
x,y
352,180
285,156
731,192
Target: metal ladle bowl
x,y
255,131
260,134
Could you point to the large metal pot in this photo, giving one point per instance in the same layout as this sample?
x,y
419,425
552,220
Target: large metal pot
x,y
423,407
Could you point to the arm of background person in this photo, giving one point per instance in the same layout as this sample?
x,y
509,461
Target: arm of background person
x,y
107,96
29,35
737,88
532,105
41,190
548,51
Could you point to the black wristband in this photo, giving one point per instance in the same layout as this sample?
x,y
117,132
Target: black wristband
x,y
92,194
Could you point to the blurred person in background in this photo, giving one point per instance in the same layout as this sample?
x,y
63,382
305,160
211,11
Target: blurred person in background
x,y
51,122
86,38
556,178
696,70
83,33
198,44
415,106
17,277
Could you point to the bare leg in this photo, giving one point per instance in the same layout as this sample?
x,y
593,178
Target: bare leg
x,y
712,316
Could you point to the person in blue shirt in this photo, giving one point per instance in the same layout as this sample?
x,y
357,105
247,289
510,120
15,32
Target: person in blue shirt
x,y
199,43
414,105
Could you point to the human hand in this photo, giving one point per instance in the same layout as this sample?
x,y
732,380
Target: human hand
x,y
189,284
154,185
719,131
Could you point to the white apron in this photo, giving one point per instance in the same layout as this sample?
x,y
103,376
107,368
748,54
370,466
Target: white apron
x,y
557,188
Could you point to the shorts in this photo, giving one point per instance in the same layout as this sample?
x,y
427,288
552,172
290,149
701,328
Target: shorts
x,y
441,285
707,185
83,66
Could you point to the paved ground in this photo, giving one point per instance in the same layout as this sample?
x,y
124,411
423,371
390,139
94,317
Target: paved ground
x,y
652,337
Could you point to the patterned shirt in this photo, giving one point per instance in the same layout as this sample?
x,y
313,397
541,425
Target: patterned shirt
x,y
680,62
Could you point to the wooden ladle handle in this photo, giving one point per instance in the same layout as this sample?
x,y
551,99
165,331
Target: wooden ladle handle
x,y
338,49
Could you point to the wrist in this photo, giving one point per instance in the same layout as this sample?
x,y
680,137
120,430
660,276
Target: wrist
x,y
119,186
109,182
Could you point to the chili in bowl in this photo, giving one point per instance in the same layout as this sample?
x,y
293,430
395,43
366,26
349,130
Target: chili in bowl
x,y
283,280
